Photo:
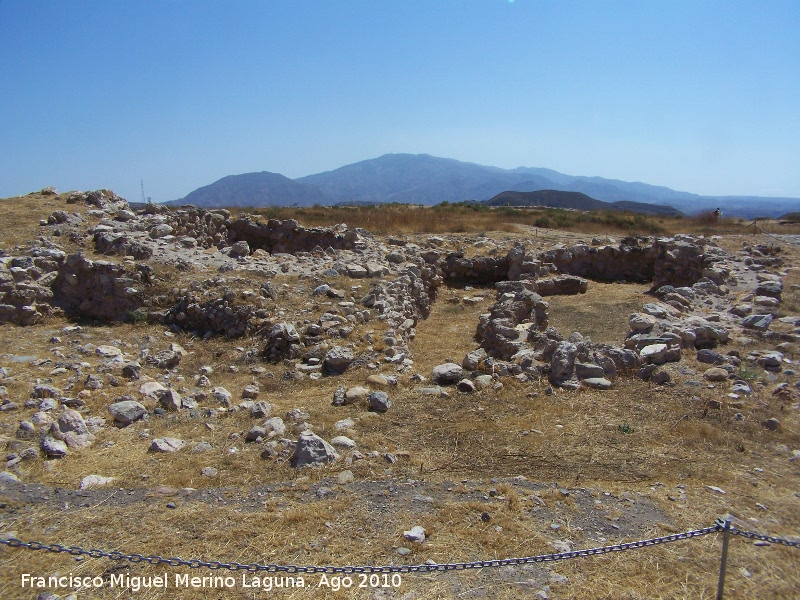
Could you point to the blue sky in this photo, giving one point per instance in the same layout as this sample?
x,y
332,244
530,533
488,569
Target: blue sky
x,y
698,96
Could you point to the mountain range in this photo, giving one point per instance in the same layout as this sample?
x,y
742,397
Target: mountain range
x,y
424,179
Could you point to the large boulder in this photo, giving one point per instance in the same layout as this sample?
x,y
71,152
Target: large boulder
x,y
312,451
126,412
338,359
447,373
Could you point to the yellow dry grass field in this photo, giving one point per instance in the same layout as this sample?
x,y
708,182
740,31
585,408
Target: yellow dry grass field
x,y
517,470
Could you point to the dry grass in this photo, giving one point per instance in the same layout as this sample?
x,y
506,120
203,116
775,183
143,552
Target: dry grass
x,y
661,444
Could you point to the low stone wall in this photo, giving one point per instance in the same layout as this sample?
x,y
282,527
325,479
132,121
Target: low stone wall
x,y
669,261
289,236
208,227
25,285
214,316
97,289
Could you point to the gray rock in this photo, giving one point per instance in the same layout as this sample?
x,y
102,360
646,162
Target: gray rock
x,y
771,361
772,424
356,394
94,481
562,362
44,390
710,357
641,322
473,359
256,434
588,370
8,477
339,396
465,386
415,534
166,444
660,377
379,401
166,359
126,412
169,399
240,248
72,421
261,410
447,373
597,383
483,382
654,353
716,374
275,426
343,441
757,322
93,382
160,231
131,370
773,289
208,472
338,359
222,396
53,448
250,392
311,450
344,424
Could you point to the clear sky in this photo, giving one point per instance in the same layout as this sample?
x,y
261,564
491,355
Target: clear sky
x,y
701,96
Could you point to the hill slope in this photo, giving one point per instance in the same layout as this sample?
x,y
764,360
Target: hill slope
x,y
575,200
254,189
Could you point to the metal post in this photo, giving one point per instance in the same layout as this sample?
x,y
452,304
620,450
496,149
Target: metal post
x,y
724,560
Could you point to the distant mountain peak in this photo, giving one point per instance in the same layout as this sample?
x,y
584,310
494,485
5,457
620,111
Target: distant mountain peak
x,y
426,179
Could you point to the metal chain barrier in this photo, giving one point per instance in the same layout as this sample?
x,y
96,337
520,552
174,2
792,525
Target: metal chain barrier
x,y
423,568
764,538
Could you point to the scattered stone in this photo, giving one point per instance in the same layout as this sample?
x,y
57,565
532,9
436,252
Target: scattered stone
x,y
126,412
166,359
716,374
356,394
447,373
311,451
8,477
250,392
260,410
379,402
415,534
343,442
597,383
710,356
222,396
53,448
275,426
339,396
338,359
94,481
256,434
345,477
757,322
166,444
466,386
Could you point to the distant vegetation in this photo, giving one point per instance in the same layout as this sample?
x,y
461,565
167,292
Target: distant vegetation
x,y
464,218
478,218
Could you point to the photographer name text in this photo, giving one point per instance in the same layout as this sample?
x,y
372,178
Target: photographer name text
x,y
136,583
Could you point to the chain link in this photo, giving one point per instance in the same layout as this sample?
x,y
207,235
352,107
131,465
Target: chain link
x,y
764,538
423,568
